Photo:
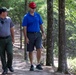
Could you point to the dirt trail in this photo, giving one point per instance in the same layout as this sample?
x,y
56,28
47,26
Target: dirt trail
x,y
21,67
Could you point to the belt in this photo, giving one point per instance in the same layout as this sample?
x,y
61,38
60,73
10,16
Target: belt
x,y
4,37
33,32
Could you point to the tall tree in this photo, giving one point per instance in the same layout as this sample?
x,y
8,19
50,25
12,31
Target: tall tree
x,y
62,62
25,46
49,55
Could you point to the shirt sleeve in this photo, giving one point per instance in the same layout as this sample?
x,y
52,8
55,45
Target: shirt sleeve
x,y
24,21
11,23
40,20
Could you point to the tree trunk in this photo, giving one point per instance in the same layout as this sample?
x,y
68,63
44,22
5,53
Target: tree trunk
x,y
49,55
20,34
25,46
62,62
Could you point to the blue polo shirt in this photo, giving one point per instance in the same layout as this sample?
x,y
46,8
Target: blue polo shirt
x,y
5,25
32,22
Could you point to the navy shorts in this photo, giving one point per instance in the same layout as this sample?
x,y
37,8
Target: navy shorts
x,y
35,40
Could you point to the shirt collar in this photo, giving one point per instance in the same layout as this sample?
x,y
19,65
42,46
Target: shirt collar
x,y
2,18
31,15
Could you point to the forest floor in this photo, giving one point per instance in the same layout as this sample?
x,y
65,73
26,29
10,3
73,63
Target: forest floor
x,y
21,67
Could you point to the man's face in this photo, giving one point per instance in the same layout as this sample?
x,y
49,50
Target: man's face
x,y
32,10
4,14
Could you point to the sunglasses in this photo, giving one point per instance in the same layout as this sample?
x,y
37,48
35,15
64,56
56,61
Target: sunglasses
x,y
2,22
33,8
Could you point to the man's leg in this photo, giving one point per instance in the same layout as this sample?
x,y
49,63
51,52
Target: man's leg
x,y
31,61
9,50
30,50
31,57
38,55
39,67
3,60
4,65
3,56
38,43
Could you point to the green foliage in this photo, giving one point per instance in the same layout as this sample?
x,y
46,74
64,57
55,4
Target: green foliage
x,y
70,21
72,65
4,3
71,27
55,50
72,37
17,11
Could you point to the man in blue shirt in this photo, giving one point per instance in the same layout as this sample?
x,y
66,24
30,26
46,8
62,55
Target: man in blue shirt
x,y
32,24
6,40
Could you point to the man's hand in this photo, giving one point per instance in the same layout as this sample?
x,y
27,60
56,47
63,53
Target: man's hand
x,y
13,41
43,36
12,34
27,40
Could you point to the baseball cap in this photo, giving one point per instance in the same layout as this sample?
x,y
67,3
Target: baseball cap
x,y
32,5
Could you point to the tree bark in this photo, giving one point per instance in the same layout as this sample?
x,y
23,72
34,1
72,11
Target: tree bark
x,y
49,54
62,61
25,46
20,34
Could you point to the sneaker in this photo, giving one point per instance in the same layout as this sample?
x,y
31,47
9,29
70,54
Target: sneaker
x,y
32,68
39,67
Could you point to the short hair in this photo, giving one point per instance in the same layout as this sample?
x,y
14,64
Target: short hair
x,y
3,9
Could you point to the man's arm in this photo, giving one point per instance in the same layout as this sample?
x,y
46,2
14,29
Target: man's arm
x,y
42,30
25,31
12,33
25,34
41,27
